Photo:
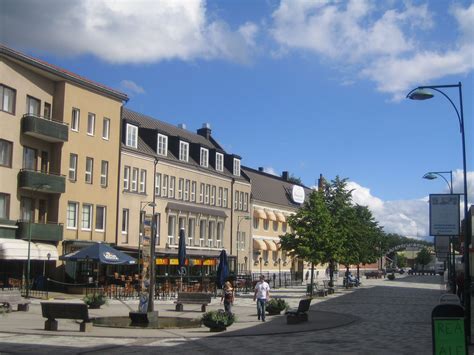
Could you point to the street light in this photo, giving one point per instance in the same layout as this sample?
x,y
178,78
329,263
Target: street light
x,y
239,237
432,175
143,205
423,93
152,281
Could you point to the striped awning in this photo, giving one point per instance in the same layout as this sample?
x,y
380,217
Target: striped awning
x,y
259,213
271,245
280,217
270,215
259,245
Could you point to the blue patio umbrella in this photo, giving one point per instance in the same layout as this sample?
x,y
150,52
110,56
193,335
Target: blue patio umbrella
x,y
222,269
182,249
102,253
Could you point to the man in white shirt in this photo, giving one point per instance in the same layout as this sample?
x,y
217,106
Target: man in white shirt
x,y
261,295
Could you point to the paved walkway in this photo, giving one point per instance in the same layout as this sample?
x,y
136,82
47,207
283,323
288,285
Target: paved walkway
x,y
381,317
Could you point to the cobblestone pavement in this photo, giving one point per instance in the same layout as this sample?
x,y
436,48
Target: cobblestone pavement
x,y
380,317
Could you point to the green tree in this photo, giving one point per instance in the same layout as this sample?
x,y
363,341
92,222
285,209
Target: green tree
x,y
295,180
423,258
402,260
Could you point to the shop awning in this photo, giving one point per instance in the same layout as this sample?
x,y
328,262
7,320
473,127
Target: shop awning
x,y
271,245
17,249
195,209
259,245
280,217
259,213
270,215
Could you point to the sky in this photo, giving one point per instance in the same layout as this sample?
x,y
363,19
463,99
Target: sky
x,y
309,87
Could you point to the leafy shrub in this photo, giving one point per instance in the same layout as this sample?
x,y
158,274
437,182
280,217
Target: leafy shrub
x,y
276,305
218,319
391,276
95,299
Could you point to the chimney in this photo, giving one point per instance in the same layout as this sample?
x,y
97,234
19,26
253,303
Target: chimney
x,y
285,175
321,182
182,125
205,131
260,168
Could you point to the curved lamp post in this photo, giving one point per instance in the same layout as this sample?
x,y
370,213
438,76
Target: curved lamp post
x,y
424,93
239,237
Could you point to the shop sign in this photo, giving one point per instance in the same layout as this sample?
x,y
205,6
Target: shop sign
x,y
161,261
297,194
444,214
174,262
196,262
209,262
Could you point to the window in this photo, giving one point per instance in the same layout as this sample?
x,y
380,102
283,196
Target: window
x,y
183,151
206,196
89,169
104,173
6,149
275,256
275,226
241,201
213,195
256,222
202,232
242,240
191,230
283,227
171,229
86,217
90,124
44,162
33,106
162,148
224,198
7,99
265,224
4,206
126,178
201,193
204,157
219,196
236,167
27,209
106,128
186,190
164,190
220,234
72,167
211,234
157,184
142,181
29,158
131,136
75,119
100,218
71,219
125,217
265,256
172,185
157,221
47,110
236,200
246,202
193,191
134,184
182,224
180,188
219,162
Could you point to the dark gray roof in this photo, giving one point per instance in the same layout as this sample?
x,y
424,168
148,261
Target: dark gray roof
x,y
272,189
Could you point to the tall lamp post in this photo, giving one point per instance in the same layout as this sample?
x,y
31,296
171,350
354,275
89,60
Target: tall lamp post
x,y
432,175
239,237
143,205
151,287
423,93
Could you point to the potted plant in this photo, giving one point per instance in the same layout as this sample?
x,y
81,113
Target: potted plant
x,y
276,305
217,321
391,276
95,300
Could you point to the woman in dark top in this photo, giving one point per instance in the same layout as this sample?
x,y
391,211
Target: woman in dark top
x,y
228,297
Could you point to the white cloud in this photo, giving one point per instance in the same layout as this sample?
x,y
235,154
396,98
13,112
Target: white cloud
x,y
138,31
381,44
270,170
131,87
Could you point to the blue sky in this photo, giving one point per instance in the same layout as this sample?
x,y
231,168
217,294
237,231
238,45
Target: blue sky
x,y
312,87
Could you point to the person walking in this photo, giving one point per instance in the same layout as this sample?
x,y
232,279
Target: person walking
x,y
261,295
228,297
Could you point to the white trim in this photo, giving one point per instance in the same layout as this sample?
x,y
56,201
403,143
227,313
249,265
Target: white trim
x,y
8,226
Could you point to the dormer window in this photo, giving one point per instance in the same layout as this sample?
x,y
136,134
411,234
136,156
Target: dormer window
x,y
219,162
162,148
236,167
183,151
204,157
132,136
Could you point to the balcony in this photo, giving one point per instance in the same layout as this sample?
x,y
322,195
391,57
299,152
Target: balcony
x,y
51,232
44,129
42,182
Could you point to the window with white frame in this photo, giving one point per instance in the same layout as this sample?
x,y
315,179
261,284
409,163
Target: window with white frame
x,y
211,233
213,195
100,215
219,196
90,124
224,198
202,232
236,200
71,219
180,188
27,209
219,162
131,135
134,184
142,181
171,229
89,170
106,128
47,110
76,114
193,191
241,201
206,196
183,151
125,220
236,167
187,184
164,190
29,158
126,178
157,184
72,167
204,161
162,146
4,206
86,220
220,234
7,99
33,106
246,202
6,153
172,187
243,240
182,224
201,193
104,173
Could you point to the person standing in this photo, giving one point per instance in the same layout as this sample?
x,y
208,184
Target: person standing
x,y
261,295
228,297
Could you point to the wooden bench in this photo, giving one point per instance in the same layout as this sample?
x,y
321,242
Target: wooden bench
x,y
57,310
374,274
10,298
201,298
300,314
